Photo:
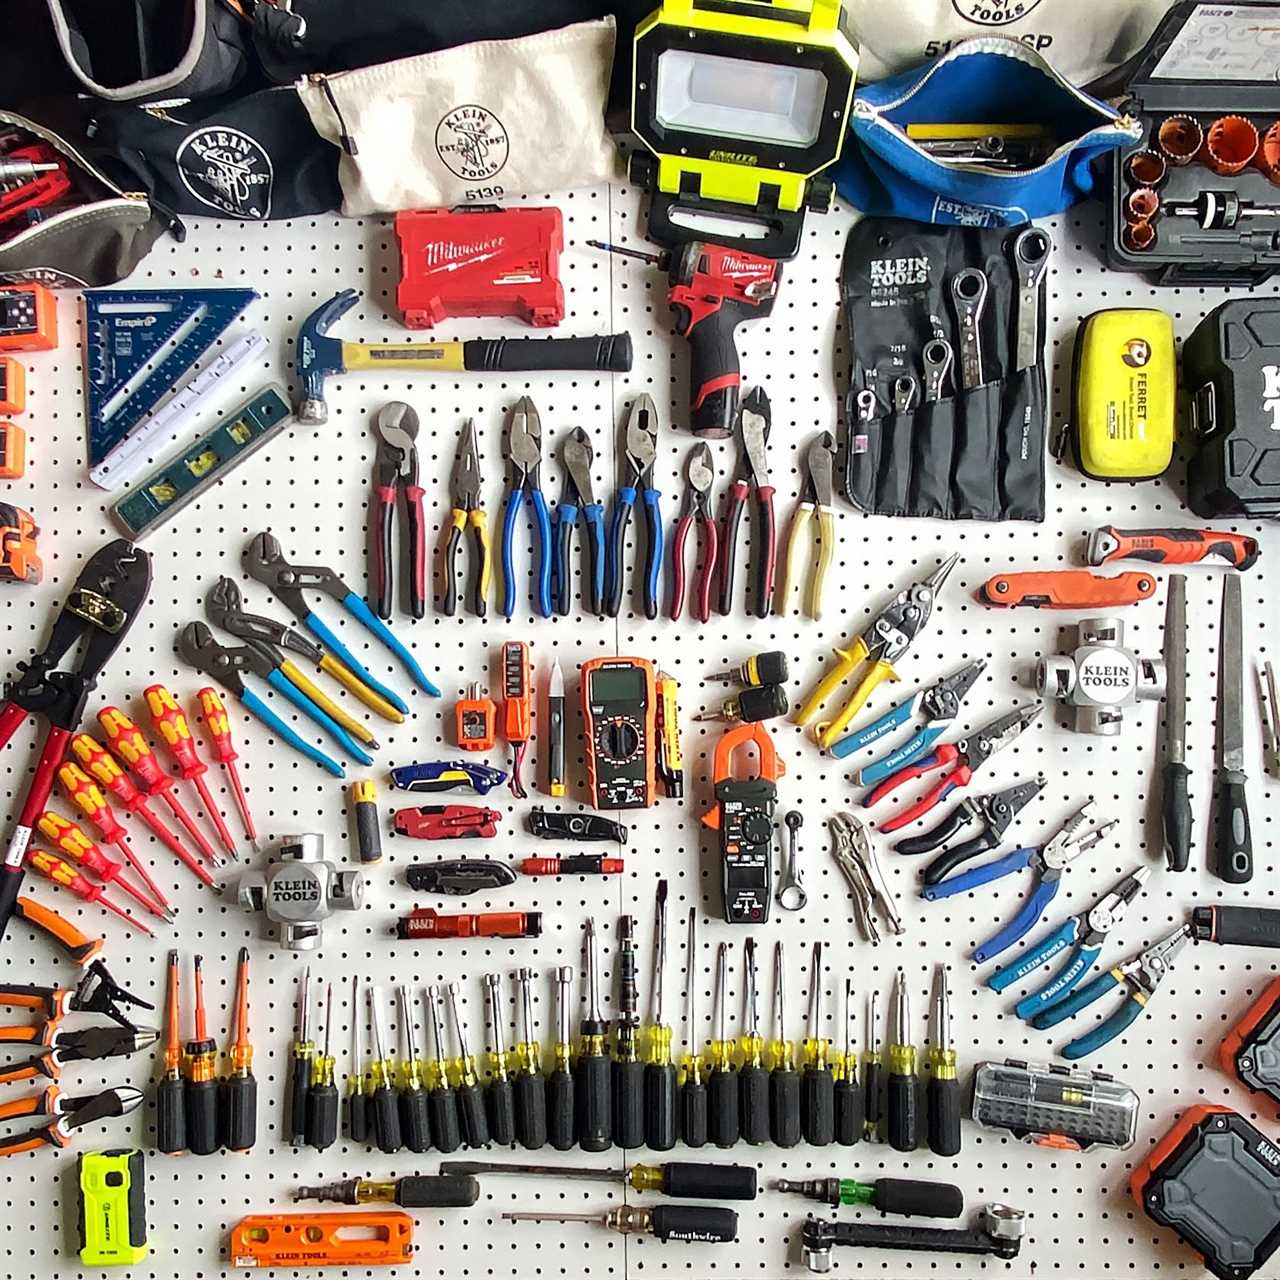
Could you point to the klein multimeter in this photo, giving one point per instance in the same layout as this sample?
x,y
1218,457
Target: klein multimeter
x,y
620,715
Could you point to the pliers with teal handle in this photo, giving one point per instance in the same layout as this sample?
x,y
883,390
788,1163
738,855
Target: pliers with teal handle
x,y
640,449
578,456
524,462
1140,978
1086,932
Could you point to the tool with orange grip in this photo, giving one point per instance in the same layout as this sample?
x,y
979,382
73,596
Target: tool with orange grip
x,y
296,1240
19,555
1170,546
426,923
69,839
79,946
171,1092
102,766
201,1063
169,722
65,1114
1067,589
517,700
57,1046
216,721
64,874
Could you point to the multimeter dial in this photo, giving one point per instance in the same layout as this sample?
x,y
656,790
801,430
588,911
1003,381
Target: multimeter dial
x,y
619,739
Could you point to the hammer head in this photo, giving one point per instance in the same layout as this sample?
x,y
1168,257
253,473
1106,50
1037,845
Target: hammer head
x,y
319,355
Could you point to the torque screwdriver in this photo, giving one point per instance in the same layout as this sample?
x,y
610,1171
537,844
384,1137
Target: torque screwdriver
x,y
628,1071
357,1098
903,1103
753,1078
446,1191
724,1123
442,1101
300,1071
500,1095
943,1097
384,1104
784,1079
530,1083
692,1102
872,1071
817,1083
850,1114
240,1089
171,1092
560,1090
699,1224
889,1195
682,1179
471,1108
202,1083
659,1072
592,1080
765,668
412,1103
322,1096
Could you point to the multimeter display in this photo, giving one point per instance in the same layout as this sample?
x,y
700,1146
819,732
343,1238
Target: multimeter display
x,y
619,712
618,684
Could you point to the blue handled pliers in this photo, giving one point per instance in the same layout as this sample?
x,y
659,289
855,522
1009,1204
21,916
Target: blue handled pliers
x,y
938,706
524,463
640,449
1086,932
1140,977
265,563
578,456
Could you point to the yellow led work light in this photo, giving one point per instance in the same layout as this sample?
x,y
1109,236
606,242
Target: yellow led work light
x,y
740,103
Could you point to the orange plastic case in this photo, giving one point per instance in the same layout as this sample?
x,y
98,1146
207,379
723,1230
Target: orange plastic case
x,y
336,1239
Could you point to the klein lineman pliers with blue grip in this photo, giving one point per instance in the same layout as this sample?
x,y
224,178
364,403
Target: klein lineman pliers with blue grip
x,y
524,467
265,563
640,451
467,513
578,457
1085,932
937,706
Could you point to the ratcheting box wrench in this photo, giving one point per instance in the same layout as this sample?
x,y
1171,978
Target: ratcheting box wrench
x,y
969,298
1030,251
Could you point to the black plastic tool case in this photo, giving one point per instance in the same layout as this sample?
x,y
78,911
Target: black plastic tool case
x,y
1178,255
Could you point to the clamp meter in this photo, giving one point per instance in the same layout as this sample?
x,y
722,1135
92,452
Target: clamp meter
x,y
619,713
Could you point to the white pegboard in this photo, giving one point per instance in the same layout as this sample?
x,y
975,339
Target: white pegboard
x,y
311,487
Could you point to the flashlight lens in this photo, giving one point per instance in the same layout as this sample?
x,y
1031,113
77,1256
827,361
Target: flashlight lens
x,y
739,98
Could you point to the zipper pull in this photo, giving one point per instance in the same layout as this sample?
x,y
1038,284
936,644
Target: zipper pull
x,y
345,138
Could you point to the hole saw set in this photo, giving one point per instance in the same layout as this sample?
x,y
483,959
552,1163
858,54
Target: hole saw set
x,y
489,1069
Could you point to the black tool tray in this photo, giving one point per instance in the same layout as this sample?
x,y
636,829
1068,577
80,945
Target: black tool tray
x,y
1185,253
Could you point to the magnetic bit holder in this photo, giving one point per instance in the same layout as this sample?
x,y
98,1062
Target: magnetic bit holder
x,y
298,890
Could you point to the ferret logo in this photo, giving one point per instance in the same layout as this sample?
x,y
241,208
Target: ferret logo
x,y
472,143
993,13
227,170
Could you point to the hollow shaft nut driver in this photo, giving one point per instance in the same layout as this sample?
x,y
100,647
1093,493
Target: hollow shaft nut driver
x,y
891,633
106,599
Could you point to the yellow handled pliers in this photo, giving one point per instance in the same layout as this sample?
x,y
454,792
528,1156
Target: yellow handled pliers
x,y
890,635
816,497
467,511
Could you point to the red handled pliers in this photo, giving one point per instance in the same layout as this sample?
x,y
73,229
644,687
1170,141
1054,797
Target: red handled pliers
x,y
397,472
754,422
701,476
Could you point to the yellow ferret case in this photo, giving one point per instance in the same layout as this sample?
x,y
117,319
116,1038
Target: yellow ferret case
x,y
112,1217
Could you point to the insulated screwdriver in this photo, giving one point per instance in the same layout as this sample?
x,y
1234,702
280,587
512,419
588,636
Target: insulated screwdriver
x,y
171,1092
446,1191
471,1109
530,1083
214,714
765,668
699,1224
659,1072
850,1113
63,873
943,1123
357,1098
415,1112
202,1078
322,1096
817,1082
72,841
889,1195
872,1071
384,1104
560,1086
442,1101
753,1078
240,1089
300,1071
593,1102
784,1079
692,1101
724,1122
903,1102
682,1179
500,1095
628,1071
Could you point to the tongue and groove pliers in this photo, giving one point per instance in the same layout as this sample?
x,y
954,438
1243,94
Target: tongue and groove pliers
x,y
578,457
817,497
754,423
467,513
640,450
524,464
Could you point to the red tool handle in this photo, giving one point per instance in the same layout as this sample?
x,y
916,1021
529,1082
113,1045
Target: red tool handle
x,y
939,758
764,537
86,795
737,503
217,722
678,542
700,607
68,837
384,517
446,822
1174,546
413,495
169,722
103,766
958,777
427,923
126,740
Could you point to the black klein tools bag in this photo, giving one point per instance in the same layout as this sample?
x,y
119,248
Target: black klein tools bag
x,y
921,442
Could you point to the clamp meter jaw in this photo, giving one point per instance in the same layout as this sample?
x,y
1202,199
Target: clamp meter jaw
x,y
619,713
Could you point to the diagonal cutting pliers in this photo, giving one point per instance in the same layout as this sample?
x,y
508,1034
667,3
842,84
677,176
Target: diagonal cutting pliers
x,y
524,465
886,639
700,475
817,498
578,457
1085,932
396,473
467,513
937,706
264,560
640,450
65,1113
58,1046
755,420
1140,977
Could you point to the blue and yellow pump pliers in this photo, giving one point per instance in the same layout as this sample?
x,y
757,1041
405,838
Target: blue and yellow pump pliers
x,y
524,464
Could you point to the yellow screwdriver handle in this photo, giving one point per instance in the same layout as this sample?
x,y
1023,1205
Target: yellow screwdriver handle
x,y
843,669
880,671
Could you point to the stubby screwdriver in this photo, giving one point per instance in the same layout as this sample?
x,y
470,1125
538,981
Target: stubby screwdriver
x,y
902,1098
943,1125
442,1101
753,1078
357,1098
784,1079
530,1083
471,1109
300,1066
560,1090
322,1096
817,1083
872,1071
384,1104
724,1123
659,1072
591,1074
628,1071
415,1112
681,1179
500,1095
850,1114
171,1092
692,1108
202,1080
701,1224
889,1195
240,1089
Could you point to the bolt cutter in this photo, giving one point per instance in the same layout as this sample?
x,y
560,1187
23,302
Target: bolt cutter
x,y
65,1114
524,464
467,512
578,456
640,450
817,497
700,476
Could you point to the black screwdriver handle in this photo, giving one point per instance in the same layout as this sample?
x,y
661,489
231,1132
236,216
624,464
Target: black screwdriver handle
x,y
904,1113
473,1116
610,353
694,1180
500,1100
628,1104
531,1110
696,1223
918,1199
784,1107
850,1113
1176,813
415,1120
593,1098
322,1117
446,1128
872,1079
437,1191
203,1138
724,1121
818,1107
753,1104
299,1084
943,1117
693,1105
1238,926
171,1116
1234,864
560,1111
358,1116
660,1106
384,1106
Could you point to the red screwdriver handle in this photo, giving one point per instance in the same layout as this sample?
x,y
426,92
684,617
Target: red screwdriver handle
x,y
214,713
66,836
170,723
126,740
87,796
102,765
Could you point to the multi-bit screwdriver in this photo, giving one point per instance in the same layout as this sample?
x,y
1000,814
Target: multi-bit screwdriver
x,y
753,1077
627,1082
724,1122
384,1103
889,1195
692,1102
592,1078
442,1101
202,1078
817,1083
659,1072
300,1067
530,1083
903,1110
682,1179
415,1113
560,1102
784,1079
943,1095
872,1071
240,1089
471,1108
322,1096
357,1098
699,1224
171,1093
850,1114
500,1095
422,1191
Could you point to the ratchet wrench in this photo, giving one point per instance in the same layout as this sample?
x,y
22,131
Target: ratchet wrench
x,y
1031,248
937,357
969,297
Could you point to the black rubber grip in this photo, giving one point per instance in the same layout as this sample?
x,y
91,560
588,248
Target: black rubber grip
x,y
660,1128
563,572
945,863
500,1102
943,1119
1238,926
384,539
560,1118
437,1191
299,1084
358,1117
239,1123
1233,845
696,1223
10,883
368,832
818,1107
692,1180
714,374
753,1104
724,1121
903,1122
850,1113
784,1107
473,1116
531,1110
171,1116
446,1128
384,1113
449,601
593,1102
1176,814
609,353
628,1104
692,1109
203,1138
415,1120
920,1199
615,573
764,540
872,1079
322,1117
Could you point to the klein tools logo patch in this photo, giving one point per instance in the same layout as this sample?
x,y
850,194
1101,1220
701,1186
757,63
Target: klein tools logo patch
x,y
227,170
897,272
472,143
994,13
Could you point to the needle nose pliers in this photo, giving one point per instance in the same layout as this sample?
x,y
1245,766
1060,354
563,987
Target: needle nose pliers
x,y
754,423
700,475
817,497
468,512
396,473
640,449
578,456
524,463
